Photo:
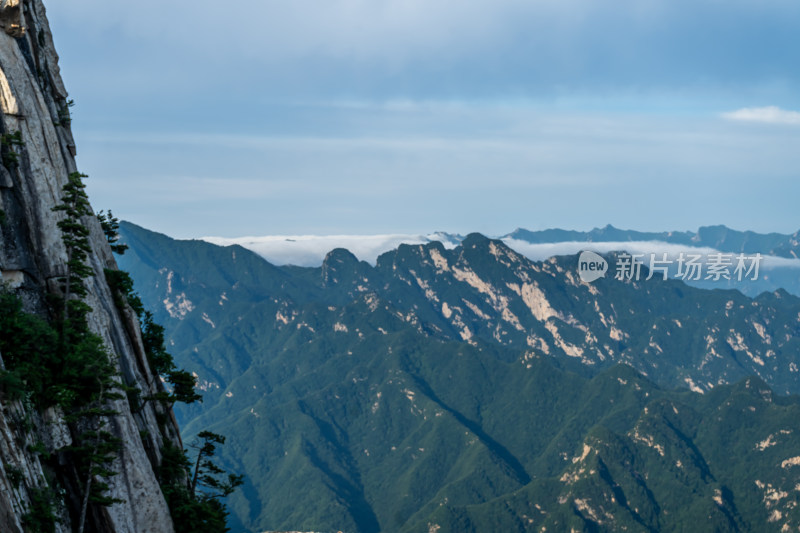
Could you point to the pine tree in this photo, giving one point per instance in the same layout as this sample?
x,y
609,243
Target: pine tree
x,y
88,382
110,225
75,236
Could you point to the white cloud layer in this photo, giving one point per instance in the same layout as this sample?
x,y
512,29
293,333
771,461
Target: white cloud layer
x,y
540,252
768,115
310,250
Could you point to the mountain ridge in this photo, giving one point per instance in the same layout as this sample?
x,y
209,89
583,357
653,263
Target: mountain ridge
x,y
501,296
779,263
404,396
718,237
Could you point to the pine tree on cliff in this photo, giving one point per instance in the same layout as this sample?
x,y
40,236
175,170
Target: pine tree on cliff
x,y
75,235
87,360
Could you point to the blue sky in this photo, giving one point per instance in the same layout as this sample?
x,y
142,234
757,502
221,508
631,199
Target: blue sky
x,y
375,116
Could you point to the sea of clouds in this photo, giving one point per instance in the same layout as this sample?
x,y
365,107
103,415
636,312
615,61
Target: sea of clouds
x,y
310,250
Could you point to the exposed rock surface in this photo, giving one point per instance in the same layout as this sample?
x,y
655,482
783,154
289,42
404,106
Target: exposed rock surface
x,y
32,257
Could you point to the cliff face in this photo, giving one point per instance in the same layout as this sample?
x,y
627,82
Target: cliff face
x,y
32,258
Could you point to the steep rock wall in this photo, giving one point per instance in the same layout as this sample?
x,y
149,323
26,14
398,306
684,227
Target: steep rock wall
x,y
32,257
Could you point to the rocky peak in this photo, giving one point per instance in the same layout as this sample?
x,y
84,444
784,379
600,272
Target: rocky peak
x,y
342,268
474,239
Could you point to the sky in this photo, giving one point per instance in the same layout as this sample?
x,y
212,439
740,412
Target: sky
x,y
272,117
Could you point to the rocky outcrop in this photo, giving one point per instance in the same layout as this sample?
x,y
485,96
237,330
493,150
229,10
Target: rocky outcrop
x,y
34,169
11,17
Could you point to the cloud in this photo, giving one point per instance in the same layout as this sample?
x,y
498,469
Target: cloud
x,y
768,115
310,250
414,48
543,251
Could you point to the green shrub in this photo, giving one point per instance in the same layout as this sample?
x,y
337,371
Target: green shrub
x,y
8,141
110,225
41,517
121,285
14,475
193,511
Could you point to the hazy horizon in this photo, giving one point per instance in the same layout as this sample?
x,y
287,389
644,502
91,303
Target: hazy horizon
x,y
379,117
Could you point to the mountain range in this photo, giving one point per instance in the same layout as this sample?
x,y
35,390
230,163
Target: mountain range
x,y
310,250
718,237
473,389
780,266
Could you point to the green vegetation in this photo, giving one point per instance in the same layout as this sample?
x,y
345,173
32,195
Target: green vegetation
x,y
40,449
14,475
64,114
30,350
8,142
190,512
88,364
161,362
75,375
110,225
121,285
40,366
64,364
61,363
207,474
75,236
192,509
41,517
153,338
354,405
9,158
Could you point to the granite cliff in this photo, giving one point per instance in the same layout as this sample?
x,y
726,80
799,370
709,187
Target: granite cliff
x,y
38,157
